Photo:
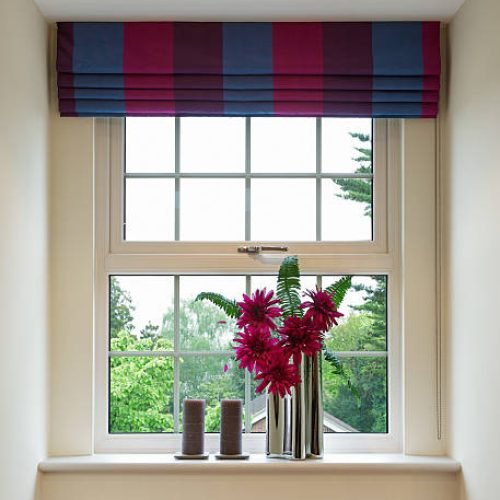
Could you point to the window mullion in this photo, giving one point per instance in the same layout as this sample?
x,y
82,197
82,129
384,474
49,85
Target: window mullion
x,y
177,228
248,181
248,377
318,179
176,352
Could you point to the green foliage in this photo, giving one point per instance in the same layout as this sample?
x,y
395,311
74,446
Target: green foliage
x,y
141,389
288,286
366,408
359,190
202,325
340,371
230,307
121,308
375,305
339,289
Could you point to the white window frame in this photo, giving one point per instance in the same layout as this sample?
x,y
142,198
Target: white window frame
x,y
114,256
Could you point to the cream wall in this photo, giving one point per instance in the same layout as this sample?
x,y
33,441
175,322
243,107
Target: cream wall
x,y
473,208
71,312
23,246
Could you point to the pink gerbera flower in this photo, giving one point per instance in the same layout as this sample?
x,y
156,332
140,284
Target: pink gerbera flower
x,y
254,349
300,336
321,309
258,311
279,376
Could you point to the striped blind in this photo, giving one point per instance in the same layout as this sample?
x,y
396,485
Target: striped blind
x,y
379,69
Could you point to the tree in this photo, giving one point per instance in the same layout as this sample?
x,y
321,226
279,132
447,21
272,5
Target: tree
x,y
141,389
359,190
120,308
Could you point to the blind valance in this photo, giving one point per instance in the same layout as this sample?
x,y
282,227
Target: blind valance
x,y
379,69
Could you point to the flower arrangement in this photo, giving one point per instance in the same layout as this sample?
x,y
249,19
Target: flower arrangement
x,y
277,329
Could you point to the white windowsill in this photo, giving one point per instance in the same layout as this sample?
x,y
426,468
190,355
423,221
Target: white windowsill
x,y
256,463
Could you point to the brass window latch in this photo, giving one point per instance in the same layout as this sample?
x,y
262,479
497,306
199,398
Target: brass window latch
x,y
262,248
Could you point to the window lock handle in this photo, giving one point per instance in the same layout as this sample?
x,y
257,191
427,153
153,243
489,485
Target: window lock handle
x,y
262,248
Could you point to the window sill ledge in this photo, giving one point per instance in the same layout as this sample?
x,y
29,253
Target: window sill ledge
x,y
151,463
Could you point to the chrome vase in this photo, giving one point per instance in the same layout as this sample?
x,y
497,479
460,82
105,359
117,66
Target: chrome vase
x,y
277,426
298,417
313,393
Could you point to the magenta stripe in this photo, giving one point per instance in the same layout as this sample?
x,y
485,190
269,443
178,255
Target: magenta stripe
x,y
297,50
198,50
65,45
348,49
431,57
147,50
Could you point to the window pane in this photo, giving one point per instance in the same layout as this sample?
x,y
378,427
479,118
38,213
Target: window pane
x,y
343,153
140,312
204,378
150,145
283,144
203,326
283,210
257,408
141,394
361,408
269,282
212,145
150,210
364,325
212,209
346,210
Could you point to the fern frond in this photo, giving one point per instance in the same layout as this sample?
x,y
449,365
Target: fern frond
x,y
339,289
288,286
339,369
230,307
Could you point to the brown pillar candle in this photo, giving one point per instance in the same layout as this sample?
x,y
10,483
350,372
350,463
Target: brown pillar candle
x,y
230,426
193,427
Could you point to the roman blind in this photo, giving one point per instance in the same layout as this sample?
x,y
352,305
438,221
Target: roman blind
x,y
368,69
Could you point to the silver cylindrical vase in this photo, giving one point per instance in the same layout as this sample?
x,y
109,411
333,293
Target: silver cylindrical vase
x,y
298,418
313,395
277,426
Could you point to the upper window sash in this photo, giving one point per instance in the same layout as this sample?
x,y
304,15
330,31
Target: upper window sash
x,y
114,129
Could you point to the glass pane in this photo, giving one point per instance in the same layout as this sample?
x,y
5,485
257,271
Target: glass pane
x,y
258,408
283,210
203,377
346,206
212,145
141,394
212,209
283,145
150,210
361,408
150,145
364,325
269,282
346,145
203,326
141,309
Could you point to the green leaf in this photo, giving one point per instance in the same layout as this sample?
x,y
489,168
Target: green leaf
x,y
230,307
338,369
288,286
339,289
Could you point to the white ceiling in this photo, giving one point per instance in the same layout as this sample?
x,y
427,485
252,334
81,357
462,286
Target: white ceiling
x,y
249,10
